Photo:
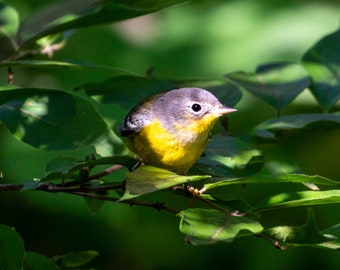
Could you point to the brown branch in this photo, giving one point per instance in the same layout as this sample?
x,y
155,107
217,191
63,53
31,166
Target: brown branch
x,y
87,191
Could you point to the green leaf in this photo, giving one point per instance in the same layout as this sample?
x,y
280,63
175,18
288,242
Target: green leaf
x,y
272,179
277,84
77,259
57,64
146,179
85,13
228,93
31,184
50,119
322,62
126,90
299,198
229,156
275,128
306,235
207,226
36,261
12,249
9,20
333,233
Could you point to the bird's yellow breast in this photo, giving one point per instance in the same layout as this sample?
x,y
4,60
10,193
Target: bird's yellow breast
x,y
176,151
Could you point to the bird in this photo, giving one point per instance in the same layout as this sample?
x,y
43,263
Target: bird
x,y
170,130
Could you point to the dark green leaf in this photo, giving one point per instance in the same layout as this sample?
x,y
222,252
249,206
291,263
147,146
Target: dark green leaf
x,y
31,184
71,15
50,119
146,179
127,90
77,259
275,128
276,84
12,249
36,261
322,62
299,198
228,93
229,156
93,204
307,234
56,64
203,226
333,234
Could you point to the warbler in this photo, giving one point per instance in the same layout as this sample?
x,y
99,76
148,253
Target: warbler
x,y
170,130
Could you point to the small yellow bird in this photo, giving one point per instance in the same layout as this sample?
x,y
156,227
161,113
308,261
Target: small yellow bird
x,y
170,130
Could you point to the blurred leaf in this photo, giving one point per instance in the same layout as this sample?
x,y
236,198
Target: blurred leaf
x,y
146,179
229,93
307,234
77,259
36,261
9,20
59,17
276,84
322,62
56,64
61,168
275,128
299,198
30,184
12,249
93,204
126,90
50,119
272,179
333,233
203,226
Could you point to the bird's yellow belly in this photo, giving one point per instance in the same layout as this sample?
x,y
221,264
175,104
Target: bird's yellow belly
x,y
158,147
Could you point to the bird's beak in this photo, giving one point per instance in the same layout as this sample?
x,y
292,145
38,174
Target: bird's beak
x,y
222,110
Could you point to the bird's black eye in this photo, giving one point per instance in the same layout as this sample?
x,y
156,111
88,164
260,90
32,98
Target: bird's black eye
x,y
196,107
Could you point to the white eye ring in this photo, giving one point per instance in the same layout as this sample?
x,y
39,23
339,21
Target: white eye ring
x,y
196,107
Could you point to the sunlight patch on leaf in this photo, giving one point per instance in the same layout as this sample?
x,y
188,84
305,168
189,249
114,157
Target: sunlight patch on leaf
x,y
208,226
146,179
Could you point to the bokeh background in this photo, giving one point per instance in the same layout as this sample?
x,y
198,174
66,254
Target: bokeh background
x,y
197,40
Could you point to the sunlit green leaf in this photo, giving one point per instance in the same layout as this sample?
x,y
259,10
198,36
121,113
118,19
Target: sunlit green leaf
x,y
9,20
276,84
299,198
272,179
276,128
146,179
12,249
50,119
322,62
36,261
207,226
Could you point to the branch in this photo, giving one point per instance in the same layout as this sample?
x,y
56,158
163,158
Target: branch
x,y
88,191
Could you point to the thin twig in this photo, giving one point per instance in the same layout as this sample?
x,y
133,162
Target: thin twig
x,y
107,171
